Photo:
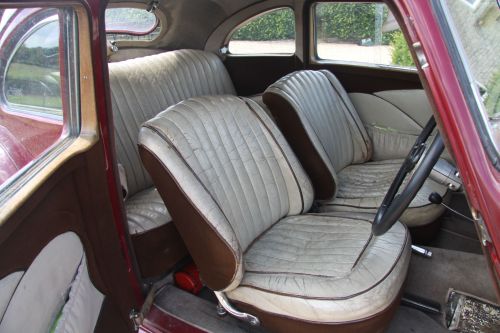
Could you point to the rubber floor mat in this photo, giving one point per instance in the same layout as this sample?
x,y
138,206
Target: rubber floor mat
x,y
469,314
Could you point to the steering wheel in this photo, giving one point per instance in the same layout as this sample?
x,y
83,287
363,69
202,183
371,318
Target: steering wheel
x,y
424,159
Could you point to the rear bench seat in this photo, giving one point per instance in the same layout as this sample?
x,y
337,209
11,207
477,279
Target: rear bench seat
x,y
140,89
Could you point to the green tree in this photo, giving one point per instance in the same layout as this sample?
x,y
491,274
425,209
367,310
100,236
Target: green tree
x,y
400,53
492,102
276,25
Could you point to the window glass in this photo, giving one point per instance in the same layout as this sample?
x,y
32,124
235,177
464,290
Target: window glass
x,y
33,73
478,30
359,32
267,33
131,24
37,78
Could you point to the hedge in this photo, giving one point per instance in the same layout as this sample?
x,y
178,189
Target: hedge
x,y
277,25
340,21
492,102
400,52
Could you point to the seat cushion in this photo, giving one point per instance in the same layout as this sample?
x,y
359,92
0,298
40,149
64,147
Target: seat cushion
x,y
362,187
325,268
146,211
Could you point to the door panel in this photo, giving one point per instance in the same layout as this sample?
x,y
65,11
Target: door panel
x,y
43,288
75,199
61,259
368,79
253,74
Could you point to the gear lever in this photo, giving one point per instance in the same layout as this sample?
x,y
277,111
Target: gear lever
x,y
437,199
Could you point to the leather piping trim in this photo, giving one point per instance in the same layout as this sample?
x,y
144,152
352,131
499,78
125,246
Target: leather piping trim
x,y
15,289
366,207
332,214
301,122
324,322
313,214
343,297
165,138
320,275
282,152
310,143
397,107
289,273
366,138
260,236
235,255
363,251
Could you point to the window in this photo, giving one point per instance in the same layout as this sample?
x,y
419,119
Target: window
x,y
131,24
38,85
359,32
272,32
477,32
33,74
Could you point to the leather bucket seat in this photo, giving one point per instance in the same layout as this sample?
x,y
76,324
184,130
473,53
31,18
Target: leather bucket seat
x,y
318,119
240,200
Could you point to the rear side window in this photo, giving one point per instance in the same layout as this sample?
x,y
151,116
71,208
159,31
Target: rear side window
x,y
359,33
39,106
272,32
131,24
33,74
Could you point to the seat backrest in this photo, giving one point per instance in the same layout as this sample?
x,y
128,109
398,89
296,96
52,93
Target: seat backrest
x,y
226,175
315,114
143,87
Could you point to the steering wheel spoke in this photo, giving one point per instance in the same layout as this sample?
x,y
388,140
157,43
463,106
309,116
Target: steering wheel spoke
x,y
419,162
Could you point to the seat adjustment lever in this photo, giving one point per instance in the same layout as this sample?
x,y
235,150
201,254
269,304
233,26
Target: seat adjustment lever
x,y
422,251
225,307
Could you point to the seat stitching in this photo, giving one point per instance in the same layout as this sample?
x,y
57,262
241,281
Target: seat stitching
x,y
174,148
403,247
282,152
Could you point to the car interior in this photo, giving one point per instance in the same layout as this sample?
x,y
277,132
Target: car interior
x,y
252,187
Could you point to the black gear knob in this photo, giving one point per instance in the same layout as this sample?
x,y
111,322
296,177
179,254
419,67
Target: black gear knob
x,y
435,198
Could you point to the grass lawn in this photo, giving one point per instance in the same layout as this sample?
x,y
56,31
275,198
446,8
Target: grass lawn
x,y
52,102
31,72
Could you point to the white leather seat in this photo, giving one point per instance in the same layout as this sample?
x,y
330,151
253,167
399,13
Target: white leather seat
x,y
321,124
363,187
239,198
140,89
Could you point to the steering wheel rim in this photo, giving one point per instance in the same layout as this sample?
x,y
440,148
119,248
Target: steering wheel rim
x,y
395,204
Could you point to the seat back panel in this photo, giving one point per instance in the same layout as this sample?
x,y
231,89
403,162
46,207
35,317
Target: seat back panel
x,y
233,164
322,107
143,87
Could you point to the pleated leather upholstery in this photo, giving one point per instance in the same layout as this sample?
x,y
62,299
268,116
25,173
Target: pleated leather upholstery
x,y
233,158
146,211
341,143
143,87
327,114
364,186
325,268
140,89
236,170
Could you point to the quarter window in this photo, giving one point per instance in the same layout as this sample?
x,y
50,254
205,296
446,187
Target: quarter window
x,y
272,32
359,32
131,24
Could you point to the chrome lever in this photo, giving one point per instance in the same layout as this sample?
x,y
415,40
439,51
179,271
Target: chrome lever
x,y
422,251
225,307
